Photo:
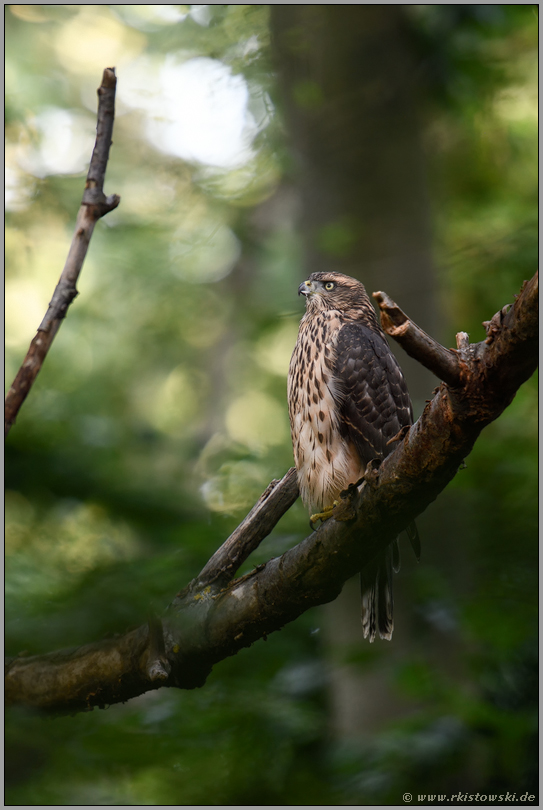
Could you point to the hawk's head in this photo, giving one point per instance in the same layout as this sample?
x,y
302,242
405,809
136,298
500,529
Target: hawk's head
x,y
325,291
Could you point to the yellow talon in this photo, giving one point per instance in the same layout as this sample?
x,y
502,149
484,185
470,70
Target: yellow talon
x,y
326,514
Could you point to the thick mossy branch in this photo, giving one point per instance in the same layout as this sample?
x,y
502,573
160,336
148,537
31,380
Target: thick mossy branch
x,y
205,625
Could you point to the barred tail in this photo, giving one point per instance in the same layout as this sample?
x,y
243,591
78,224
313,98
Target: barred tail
x,y
376,587
377,598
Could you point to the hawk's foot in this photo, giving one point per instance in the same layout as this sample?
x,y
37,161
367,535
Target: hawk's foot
x,y
326,514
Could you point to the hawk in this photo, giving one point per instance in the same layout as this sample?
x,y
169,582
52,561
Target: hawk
x,y
348,400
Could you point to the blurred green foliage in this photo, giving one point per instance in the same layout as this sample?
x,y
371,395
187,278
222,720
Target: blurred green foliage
x,y
160,414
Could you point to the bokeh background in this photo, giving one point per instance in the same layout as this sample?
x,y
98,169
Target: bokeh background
x,y
253,144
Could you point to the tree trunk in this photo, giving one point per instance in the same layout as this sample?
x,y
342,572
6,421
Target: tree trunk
x,y
350,97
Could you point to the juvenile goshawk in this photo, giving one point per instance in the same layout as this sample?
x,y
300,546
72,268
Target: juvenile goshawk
x,y
347,399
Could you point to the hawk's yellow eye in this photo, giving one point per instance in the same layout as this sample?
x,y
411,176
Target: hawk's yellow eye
x,y
329,285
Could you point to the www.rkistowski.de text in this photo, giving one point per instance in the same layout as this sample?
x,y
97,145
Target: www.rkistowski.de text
x,y
469,797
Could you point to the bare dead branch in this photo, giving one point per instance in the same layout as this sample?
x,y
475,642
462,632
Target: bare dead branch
x,y
204,627
462,340
94,205
277,499
444,363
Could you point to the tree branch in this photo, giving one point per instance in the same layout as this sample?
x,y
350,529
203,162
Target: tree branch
x,y
444,363
202,627
277,499
94,204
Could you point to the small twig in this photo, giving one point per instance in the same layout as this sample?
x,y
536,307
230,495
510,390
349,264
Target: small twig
x,y
442,362
462,341
94,205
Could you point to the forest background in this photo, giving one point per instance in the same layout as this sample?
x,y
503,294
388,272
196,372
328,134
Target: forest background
x,y
248,151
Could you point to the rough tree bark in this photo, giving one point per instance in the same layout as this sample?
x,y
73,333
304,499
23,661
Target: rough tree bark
x,y
214,617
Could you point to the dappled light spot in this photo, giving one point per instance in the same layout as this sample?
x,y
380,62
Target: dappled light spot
x,y
168,402
199,110
95,38
18,187
149,17
31,14
37,256
246,185
257,420
234,486
24,310
273,351
65,142
204,251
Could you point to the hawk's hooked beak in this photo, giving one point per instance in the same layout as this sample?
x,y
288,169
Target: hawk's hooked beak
x,y
306,288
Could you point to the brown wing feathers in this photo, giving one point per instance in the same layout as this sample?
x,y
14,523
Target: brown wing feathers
x,y
375,403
